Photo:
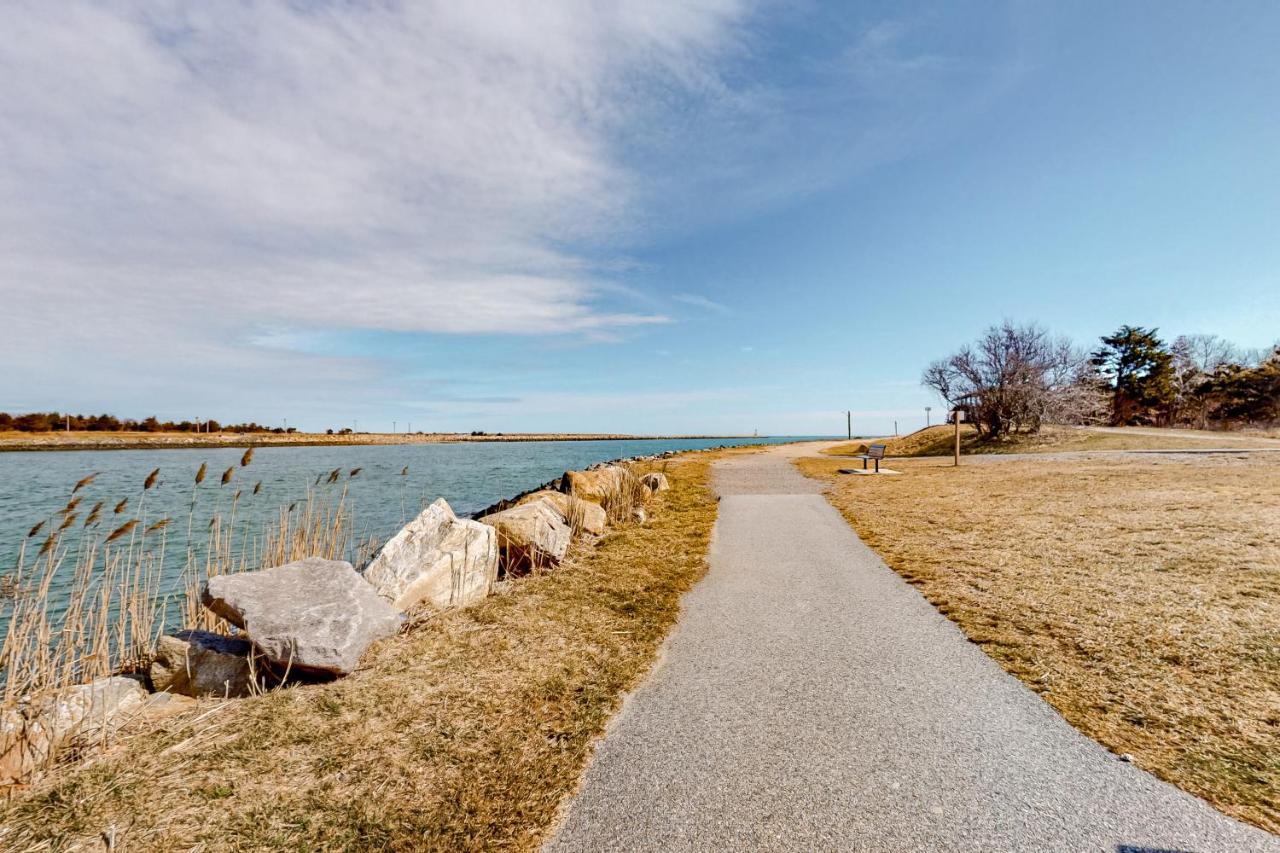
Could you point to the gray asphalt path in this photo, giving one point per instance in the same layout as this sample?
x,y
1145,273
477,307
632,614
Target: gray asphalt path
x,y
810,699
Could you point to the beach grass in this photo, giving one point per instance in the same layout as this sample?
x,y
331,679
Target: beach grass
x,y
1139,597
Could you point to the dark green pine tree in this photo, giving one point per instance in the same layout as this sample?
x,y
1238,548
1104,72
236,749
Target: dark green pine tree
x,y
1139,371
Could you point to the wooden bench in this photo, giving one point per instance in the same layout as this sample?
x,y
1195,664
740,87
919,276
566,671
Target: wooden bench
x,y
874,453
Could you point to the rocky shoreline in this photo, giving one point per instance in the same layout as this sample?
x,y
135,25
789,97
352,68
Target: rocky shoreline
x,y
313,619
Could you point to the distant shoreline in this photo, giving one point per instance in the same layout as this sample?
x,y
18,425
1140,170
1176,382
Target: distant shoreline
x,y
37,441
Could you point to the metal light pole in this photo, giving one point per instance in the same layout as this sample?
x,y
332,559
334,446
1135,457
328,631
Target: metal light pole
x,y
927,410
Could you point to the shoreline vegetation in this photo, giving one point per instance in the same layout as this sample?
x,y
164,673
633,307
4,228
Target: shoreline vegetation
x,y
91,440
495,705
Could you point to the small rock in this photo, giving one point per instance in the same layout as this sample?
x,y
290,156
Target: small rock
x,y
656,482
1126,758
201,663
314,615
437,557
638,515
531,535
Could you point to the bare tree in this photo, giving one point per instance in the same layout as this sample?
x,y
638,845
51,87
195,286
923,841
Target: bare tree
x,y
1015,378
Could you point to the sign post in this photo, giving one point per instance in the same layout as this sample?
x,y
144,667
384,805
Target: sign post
x,y
957,416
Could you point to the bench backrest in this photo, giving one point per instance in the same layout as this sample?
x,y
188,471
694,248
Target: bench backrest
x,y
876,451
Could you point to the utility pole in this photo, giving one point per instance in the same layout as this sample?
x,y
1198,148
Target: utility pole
x,y
927,410
895,427
848,417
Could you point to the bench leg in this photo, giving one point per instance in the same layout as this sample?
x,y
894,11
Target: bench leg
x,y
864,464
877,466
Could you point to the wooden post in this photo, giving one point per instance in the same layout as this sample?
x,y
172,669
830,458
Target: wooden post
x,y
957,416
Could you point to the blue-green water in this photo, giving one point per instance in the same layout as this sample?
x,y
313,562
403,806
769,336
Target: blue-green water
x,y
36,486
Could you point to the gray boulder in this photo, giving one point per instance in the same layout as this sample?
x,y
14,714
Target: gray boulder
x,y
438,558
531,535
201,663
311,616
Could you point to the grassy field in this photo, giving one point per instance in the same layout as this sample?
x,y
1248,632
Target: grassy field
x,y
59,440
462,733
1140,598
940,441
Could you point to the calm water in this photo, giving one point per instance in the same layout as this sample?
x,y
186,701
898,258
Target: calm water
x,y
471,476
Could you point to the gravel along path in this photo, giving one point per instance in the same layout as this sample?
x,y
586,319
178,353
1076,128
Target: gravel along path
x,y
810,699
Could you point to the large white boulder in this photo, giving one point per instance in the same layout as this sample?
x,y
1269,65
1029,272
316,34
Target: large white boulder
x,y
597,485
310,616
531,535
588,515
32,732
438,558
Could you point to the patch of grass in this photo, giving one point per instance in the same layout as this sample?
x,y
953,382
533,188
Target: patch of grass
x,y
940,441
1139,598
464,733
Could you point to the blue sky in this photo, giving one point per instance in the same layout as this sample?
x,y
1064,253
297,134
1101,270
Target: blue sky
x,y
637,217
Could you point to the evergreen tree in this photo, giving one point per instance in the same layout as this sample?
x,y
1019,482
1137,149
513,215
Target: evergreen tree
x,y
1138,370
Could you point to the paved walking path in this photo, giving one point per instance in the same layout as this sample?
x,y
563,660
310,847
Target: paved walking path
x,y
812,700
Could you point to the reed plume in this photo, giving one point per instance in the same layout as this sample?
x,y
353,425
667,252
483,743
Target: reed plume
x,y
159,525
226,475
257,487
120,507
86,481
355,472
247,458
151,479
71,505
93,514
204,469
404,471
48,542
122,530
33,531
68,521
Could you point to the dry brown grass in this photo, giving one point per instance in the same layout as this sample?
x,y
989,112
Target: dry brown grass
x,y
940,441
1140,598
464,732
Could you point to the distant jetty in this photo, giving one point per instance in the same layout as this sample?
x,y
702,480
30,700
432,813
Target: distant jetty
x,y
84,440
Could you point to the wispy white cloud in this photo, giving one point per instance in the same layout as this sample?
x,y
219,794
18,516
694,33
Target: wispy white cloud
x,y
701,302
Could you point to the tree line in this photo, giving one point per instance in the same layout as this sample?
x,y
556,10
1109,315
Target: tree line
x,y
50,421
1015,378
